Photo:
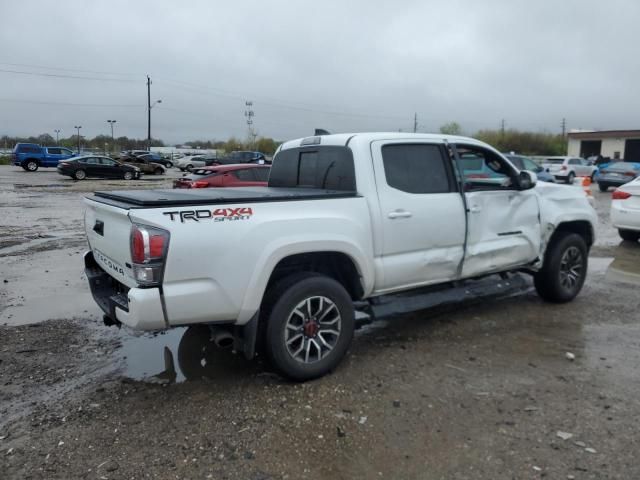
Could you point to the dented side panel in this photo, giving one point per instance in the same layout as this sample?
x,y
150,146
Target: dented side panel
x,y
504,231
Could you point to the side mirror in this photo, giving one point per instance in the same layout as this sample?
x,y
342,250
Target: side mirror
x,y
527,180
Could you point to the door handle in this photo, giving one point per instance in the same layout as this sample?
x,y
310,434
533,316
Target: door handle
x,y
399,214
475,209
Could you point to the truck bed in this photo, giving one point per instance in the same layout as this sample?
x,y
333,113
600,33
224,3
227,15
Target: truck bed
x,y
132,199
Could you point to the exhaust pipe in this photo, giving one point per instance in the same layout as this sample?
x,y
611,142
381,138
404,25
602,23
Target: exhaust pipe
x,y
222,338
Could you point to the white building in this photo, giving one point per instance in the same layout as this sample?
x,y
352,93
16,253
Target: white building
x,y
623,144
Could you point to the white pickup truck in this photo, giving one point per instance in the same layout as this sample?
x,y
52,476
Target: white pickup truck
x,y
346,221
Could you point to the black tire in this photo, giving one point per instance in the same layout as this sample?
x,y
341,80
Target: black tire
x,y
80,174
603,187
128,175
30,165
158,171
189,167
629,235
552,282
279,307
168,165
570,178
593,177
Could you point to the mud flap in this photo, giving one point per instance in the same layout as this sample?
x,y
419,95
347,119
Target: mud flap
x,y
244,337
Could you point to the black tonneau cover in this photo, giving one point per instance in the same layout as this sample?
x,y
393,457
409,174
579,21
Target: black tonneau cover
x,y
182,197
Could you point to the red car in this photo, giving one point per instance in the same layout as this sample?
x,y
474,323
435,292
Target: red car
x,y
244,175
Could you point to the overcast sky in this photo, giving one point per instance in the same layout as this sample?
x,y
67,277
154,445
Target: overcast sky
x,y
339,65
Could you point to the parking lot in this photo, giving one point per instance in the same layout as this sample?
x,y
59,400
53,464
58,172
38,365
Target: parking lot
x,y
503,386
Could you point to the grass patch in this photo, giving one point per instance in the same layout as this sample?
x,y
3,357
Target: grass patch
x,y
5,160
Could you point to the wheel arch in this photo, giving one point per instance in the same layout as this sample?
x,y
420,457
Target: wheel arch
x,y
584,228
343,263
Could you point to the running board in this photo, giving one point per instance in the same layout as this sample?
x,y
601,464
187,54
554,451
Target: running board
x,y
493,286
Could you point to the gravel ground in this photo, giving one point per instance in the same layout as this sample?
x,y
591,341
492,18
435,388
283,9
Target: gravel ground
x,y
481,390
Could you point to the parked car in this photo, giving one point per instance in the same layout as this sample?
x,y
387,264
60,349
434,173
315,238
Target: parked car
x,y
625,210
347,222
244,157
95,166
196,161
566,169
617,174
225,176
30,156
151,156
144,163
525,163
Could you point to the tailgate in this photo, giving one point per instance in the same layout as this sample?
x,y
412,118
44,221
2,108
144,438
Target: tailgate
x,y
108,231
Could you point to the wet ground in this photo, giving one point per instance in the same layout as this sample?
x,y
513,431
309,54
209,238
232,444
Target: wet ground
x,y
483,389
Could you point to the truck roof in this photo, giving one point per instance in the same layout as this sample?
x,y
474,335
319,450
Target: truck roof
x,y
342,139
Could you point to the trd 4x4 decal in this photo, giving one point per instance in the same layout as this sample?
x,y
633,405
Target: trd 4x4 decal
x,y
217,215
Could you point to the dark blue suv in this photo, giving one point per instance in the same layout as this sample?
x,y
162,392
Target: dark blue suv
x,y
31,156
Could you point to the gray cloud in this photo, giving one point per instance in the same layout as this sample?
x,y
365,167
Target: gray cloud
x,y
344,66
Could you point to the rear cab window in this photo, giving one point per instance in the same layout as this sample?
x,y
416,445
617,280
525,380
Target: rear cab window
x,y
325,167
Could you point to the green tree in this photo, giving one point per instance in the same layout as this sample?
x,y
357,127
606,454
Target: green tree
x,y
451,128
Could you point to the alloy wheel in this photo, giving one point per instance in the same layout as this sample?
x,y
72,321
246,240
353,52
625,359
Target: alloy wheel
x,y
312,329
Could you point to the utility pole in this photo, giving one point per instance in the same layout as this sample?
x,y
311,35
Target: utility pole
x,y
78,127
57,130
415,122
250,114
502,128
111,122
564,127
148,113
149,107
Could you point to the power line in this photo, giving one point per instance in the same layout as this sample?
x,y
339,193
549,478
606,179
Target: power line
x,y
131,75
59,75
68,104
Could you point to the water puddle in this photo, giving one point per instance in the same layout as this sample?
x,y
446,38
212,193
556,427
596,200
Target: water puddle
x,y
625,266
180,354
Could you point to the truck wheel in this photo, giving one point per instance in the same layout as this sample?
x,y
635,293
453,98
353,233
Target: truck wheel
x,y
629,235
128,175
310,323
169,164
158,171
79,174
571,177
30,166
603,187
564,270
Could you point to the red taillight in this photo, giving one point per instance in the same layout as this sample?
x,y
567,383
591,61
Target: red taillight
x,y
199,184
630,174
137,245
619,195
148,251
156,246
563,167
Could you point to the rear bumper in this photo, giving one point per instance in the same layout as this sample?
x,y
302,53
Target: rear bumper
x,y
138,308
624,218
612,181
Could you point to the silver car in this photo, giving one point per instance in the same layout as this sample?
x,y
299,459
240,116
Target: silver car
x,y
566,169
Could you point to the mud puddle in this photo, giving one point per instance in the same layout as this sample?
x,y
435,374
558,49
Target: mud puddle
x,y
625,266
178,355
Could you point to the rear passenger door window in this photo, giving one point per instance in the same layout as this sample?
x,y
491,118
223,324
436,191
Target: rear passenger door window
x,y
416,168
245,175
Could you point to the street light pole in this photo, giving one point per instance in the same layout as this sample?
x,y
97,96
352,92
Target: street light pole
x,y
57,130
149,107
111,122
78,127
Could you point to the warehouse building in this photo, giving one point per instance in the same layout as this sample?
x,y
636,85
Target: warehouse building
x,y
620,144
